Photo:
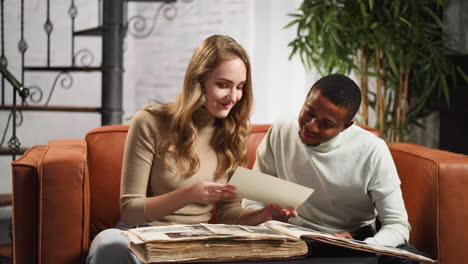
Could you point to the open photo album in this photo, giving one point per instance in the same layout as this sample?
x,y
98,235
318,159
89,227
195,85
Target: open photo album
x,y
219,242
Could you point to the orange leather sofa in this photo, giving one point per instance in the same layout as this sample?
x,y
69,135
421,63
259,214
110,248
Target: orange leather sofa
x,y
68,191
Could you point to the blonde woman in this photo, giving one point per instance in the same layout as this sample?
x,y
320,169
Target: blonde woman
x,y
179,156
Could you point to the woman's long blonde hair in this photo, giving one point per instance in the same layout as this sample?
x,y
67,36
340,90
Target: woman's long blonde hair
x,y
230,138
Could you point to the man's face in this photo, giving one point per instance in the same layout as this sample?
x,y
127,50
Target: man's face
x,y
320,120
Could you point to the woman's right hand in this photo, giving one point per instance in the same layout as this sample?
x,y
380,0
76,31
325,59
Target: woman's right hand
x,y
209,192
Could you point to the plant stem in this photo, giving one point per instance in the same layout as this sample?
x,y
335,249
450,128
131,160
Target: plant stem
x,y
404,103
378,98
383,103
364,87
397,103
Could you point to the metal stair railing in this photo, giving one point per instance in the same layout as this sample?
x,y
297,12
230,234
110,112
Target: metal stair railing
x,y
113,26
13,143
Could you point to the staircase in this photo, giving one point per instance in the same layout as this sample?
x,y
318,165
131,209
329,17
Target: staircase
x,y
112,28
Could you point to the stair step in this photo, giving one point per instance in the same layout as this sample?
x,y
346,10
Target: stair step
x,y
62,68
52,108
97,31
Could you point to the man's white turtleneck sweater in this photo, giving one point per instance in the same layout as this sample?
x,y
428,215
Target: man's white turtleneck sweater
x,y
353,175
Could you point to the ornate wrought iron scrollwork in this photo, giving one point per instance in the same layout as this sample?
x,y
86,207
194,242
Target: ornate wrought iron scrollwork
x,y
19,122
3,61
48,27
72,10
66,82
22,46
65,79
14,145
84,57
36,94
137,26
19,118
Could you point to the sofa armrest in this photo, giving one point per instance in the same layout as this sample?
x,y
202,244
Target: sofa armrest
x,y
51,203
434,185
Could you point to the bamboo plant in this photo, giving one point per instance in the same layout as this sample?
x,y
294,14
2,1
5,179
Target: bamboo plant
x,y
395,45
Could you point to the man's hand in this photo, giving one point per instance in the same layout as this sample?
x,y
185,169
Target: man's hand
x,y
270,212
276,212
209,193
343,235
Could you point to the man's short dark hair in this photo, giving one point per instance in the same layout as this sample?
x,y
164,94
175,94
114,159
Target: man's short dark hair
x,y
341,91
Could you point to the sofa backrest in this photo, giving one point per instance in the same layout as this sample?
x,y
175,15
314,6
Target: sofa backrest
x,y
105,154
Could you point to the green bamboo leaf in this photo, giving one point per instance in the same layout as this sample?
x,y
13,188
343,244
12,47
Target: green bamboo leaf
x,y
440,3
462,73
290,24
426,67
453,73
336,38
445,89
405,21
434,16
294,50
304,59
419,124
371,4
391,62
362,7
370,74
295,15
395,13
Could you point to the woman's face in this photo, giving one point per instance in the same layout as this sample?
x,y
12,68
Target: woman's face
x,y
223,87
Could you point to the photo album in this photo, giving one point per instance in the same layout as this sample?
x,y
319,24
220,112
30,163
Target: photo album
x,y
219,242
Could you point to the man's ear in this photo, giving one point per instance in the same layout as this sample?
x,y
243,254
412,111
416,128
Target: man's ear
x,y
347,125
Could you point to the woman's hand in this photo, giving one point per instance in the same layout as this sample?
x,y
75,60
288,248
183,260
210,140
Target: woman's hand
x,y
209,192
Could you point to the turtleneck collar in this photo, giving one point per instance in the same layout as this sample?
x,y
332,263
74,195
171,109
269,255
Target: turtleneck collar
x,y
329,145
203,117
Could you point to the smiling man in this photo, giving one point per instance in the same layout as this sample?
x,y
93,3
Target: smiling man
x,y
351,169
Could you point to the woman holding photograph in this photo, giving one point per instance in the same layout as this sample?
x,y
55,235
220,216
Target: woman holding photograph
x,y
179,156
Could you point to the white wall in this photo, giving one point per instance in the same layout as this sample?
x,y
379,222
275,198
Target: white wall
x,y
280,84
155,66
